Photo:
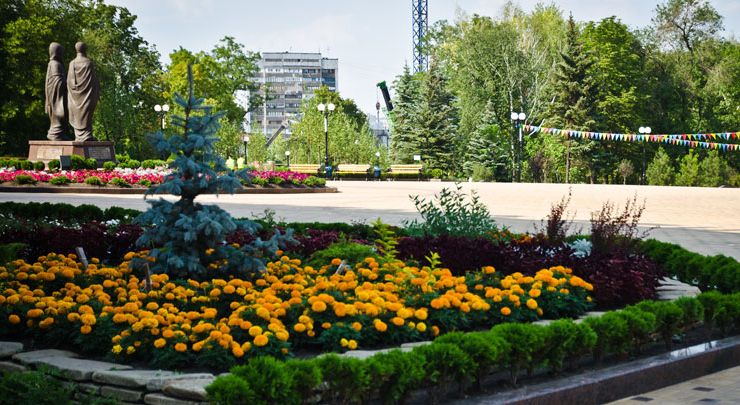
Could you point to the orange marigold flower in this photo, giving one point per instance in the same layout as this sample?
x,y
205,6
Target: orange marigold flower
x,y
531,303
336,262
380,325
34,313
318,306
85,329
505,311
261,340
159,343
181,347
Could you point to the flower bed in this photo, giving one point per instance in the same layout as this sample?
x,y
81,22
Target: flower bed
x,y
110,310
141,177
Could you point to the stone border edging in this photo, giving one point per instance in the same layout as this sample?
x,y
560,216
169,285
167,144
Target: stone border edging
x,y
625,380
128,191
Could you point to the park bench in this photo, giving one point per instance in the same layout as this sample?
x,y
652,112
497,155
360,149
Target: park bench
x,y
305,168
346,169
406,170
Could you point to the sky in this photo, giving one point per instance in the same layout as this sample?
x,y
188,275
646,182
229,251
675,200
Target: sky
x,y
372,39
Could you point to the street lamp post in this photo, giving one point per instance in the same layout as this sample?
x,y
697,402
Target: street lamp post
x,y
376,169
518,119
287,158
644,131
326,109
245,139
161,111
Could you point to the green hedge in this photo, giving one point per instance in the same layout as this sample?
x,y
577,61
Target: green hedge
x,y
466,358
63,211
718,272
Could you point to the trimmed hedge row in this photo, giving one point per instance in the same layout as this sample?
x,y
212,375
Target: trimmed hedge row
x,y
718,272
465,358
65,212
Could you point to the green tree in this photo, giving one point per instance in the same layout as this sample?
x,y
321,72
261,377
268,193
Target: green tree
x,y
573,106
435,134
350,138
404,116
660,171
688,171
713,171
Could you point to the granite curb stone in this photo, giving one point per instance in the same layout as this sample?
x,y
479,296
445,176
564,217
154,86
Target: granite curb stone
x,y
31,358
10,367
153,380
79,369
8,349
121,394
160,399
193,389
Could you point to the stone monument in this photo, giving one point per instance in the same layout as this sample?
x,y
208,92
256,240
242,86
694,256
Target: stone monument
x,y
56,94
71,100
84,93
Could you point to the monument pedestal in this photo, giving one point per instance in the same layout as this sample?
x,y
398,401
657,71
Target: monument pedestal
x,y
46,151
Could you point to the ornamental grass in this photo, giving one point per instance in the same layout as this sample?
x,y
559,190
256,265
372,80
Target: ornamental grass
x,y
123,314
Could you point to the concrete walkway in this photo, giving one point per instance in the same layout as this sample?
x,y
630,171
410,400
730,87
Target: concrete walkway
x,y
718,388
705,220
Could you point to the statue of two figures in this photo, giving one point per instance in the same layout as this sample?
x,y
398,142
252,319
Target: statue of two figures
x,y
71,98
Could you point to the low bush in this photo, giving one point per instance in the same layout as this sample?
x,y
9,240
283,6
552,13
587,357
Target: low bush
x,y
77,162
394,374
26,165
54,164
346,378
60,181
640,324
668,318
91,164
450,213
270,380
109,166
94,181
34,388
119,182
314,181
718,272
612,334
484,349
566,341
527,341
145,182
24,179
130,164
39,166
444,364
350,252
153,163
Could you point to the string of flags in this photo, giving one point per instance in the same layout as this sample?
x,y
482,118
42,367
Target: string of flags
x,y
690,140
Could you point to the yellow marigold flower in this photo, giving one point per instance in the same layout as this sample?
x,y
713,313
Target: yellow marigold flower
x,y
531,303
489,270
34,313
352,344
46,323
116,349
534,293
421,327
261,340
74,317
326,325
130,350
85,329
168,333
397,320
505,311
299,327
318,306
181,347
255,331
282,335
340,310
159,343
343,342
263,313
215,293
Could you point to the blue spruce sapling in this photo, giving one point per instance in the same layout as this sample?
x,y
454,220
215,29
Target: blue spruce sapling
x,y
187,239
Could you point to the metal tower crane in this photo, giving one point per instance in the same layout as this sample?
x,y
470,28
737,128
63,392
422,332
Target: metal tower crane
x,y
420,28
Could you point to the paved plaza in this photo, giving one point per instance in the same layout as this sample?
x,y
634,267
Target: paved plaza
x,y
705,220
717,388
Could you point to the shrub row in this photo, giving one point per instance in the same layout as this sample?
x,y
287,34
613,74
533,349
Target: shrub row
x,y
465,358
65,212
718,272
21,164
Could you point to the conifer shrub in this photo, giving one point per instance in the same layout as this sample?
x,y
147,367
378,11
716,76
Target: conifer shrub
x,y
394,374
188,239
